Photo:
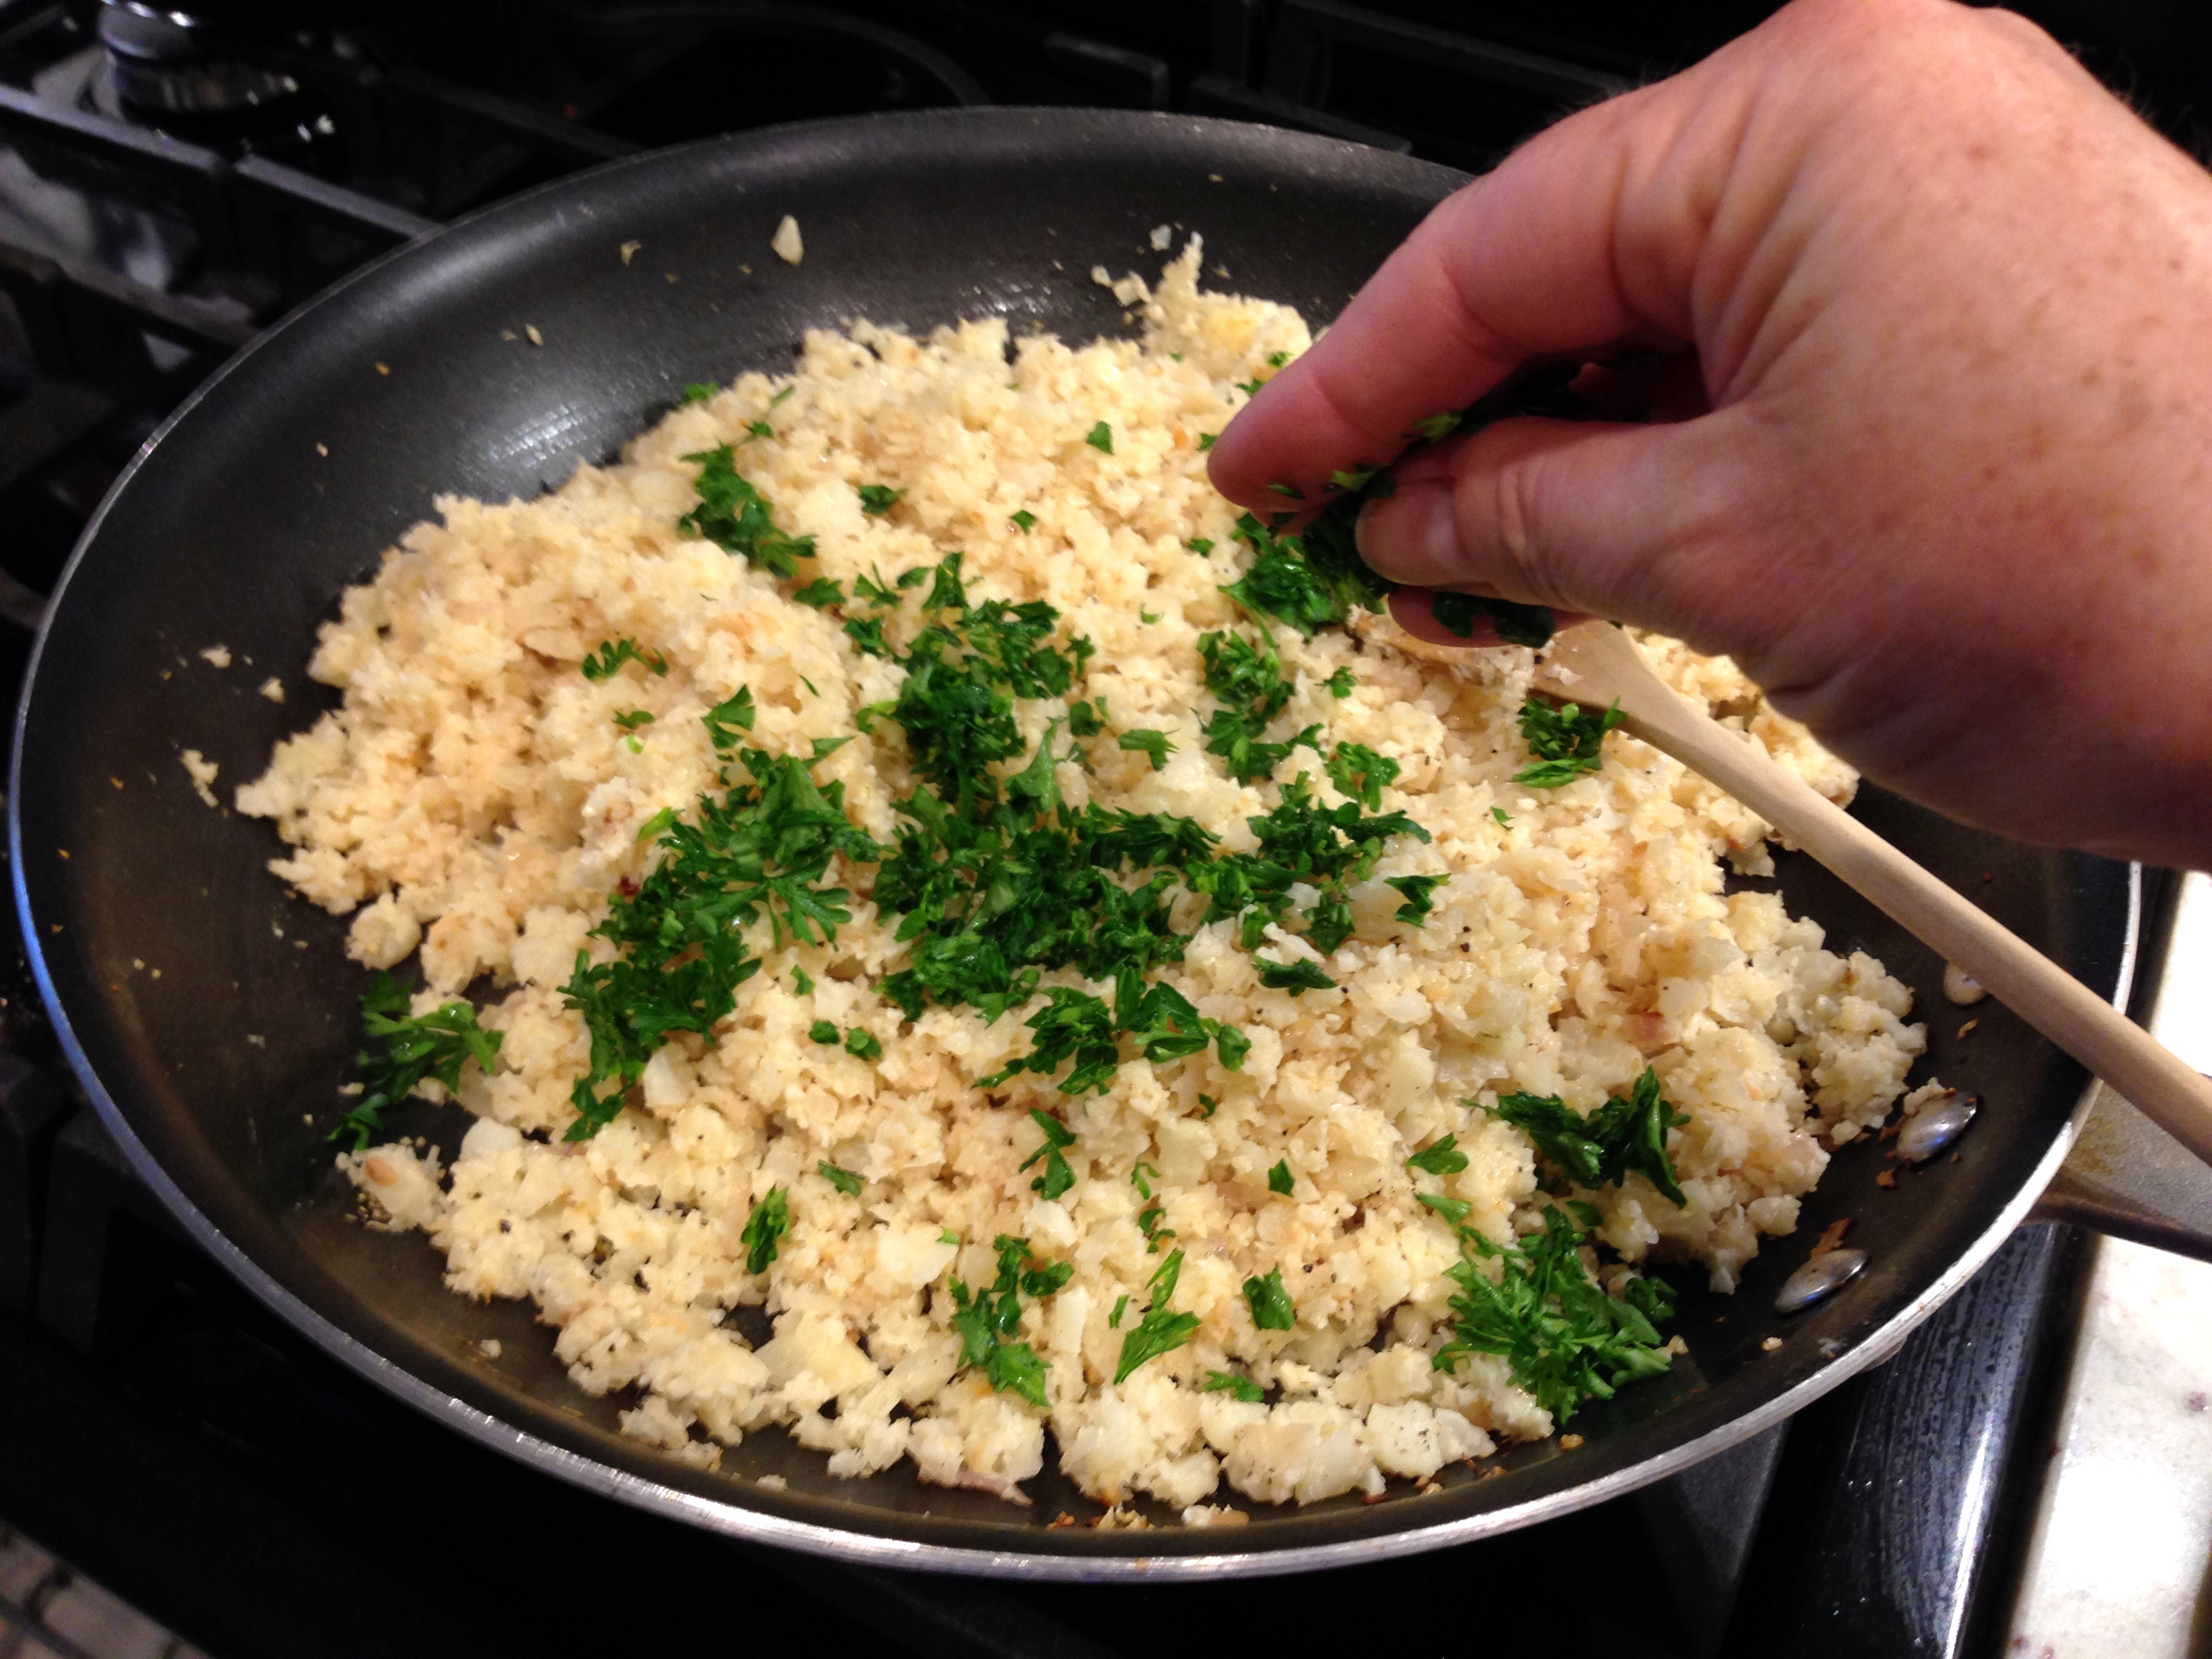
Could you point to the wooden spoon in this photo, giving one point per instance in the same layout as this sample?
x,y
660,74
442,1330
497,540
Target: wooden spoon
x,y
1595,663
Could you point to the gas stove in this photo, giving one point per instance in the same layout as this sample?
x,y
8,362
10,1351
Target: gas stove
x,y
171,180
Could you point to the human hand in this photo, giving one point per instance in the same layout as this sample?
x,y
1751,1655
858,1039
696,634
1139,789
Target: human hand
x,y
1938,474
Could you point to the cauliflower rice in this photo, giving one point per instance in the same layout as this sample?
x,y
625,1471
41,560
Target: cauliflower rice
x,y
473,799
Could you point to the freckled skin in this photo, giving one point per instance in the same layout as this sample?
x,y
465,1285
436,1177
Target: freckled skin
x,y
1940,476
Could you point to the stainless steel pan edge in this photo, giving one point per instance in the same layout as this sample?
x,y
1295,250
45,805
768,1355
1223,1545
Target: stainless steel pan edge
x,y
736,1519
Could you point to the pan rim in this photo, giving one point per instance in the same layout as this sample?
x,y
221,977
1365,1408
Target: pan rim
x,y
729,1517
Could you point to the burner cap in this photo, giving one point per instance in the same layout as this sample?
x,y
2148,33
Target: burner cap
x,y
172,62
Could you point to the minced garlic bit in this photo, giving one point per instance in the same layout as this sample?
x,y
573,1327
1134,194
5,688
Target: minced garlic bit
x,y
202,771
218,654
273,689
475,800
785,242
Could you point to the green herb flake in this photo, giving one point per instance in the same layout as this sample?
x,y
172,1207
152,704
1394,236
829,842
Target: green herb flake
x,y
1100,437
823,1032
736,517
821,593
1147,617
863,1045
1270,1303
1564,1340
1200,545
876,500
843,1180
1442,1158
603,663
1290,490
867,633
804,980
1340,683
1280,1180
1453,1209
948,1237
781,395
1434,427
1205,440
1120,1307
1239,1388
764,1228
986,1321
1503,819
1417,891
1160,1331
1024,520
697,392
1057,1177
1148,1223
1567,741
1297,977
1151,743
630,719
1208,1105
416,1048
1141,1176
729,721
1361,773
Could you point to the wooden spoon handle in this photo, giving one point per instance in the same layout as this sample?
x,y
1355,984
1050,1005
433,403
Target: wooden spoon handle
x,y
2170,1092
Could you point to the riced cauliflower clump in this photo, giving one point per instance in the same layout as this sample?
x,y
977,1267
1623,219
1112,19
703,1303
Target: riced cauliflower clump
x,y
475,800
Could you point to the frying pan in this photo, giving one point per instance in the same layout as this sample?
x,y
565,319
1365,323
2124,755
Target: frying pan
x,y
283,478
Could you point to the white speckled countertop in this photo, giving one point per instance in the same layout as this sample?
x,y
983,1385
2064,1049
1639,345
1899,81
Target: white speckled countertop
x,y
2123,1541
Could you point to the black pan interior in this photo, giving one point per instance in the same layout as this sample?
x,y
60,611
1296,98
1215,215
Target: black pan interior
x,y
285,479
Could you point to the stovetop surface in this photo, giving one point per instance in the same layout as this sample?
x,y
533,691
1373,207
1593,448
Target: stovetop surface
x,y
170,181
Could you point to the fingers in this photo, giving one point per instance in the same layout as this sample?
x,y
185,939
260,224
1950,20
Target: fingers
x,y
1525,261
1633,523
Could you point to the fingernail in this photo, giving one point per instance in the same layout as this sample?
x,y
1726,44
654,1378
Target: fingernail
x,y
1412,537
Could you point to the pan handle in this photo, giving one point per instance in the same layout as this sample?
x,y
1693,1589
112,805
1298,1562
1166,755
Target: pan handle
x,y
2128,1177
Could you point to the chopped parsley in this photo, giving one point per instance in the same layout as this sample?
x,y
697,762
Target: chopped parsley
x,y
1270,1303
1442,1158
728,721
1280,1180
875,500
821,592
1208,1105
764,1228
1291,490
1505,820
736,517
1599,1150
1138,1173
1417,891
698,391
1239,1388
757,852
1205,440
1201,545
843,1180
1297,977
603,663
988,1320
1148,618
1159,1331
1152,744
1567,742
873,589
1340,683
1058,1177
1120,1307
1361,773
1100,437
804,980
1564,1338
867,633
1453,1209
630,719
1435,427
416,1048
1024,520
823,1032
864,1045
1148,1223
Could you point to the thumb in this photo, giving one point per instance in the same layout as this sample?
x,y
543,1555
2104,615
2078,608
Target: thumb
x,y
1636,524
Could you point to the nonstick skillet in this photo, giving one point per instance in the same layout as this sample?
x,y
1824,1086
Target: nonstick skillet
x,y
487,360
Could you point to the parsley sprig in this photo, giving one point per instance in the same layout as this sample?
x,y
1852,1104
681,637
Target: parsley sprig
x,y
603,663
416,1047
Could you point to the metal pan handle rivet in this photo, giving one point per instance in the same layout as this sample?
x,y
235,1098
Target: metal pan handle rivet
x,y
1823,1276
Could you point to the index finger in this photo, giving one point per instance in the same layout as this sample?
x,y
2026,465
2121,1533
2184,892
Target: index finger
x,y
1524,261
